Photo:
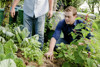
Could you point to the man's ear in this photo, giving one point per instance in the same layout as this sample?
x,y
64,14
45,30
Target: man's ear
x,y
75,16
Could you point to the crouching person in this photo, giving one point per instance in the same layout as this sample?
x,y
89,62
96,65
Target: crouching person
x,y
66,26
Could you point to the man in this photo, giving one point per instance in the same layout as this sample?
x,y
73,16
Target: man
x,y
34,13
66,26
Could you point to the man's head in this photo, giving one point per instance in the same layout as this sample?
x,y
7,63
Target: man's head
x,y
70,15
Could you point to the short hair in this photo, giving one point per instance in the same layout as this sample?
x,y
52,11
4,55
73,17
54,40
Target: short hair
x,y
71,9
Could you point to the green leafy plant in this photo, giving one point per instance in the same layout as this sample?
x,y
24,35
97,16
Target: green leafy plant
x,y
79,55
32,49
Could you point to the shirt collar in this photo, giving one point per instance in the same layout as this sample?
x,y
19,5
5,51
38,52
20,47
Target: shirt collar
x,y
75,23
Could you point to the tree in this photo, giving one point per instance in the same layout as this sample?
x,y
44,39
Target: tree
x,y
76,3
98,6
6,12
6,5
2,3
66,3
92,4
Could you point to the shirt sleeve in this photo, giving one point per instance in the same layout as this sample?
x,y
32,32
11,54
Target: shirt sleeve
x,y
58,29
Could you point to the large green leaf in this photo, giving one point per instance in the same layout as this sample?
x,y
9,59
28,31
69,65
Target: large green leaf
x,y
10,47
85,33
19,62
90,62
7,63
24,33
73,35
95,26
78,59
10,55
66,64
2,57
78,18
1,49
2,40
18,37
79,26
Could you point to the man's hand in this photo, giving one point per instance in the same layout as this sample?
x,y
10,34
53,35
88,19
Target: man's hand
x,y
51,48
12,12
50,13
15,2
49,54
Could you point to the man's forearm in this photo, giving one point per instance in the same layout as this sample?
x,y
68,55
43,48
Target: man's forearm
x,y
15,3
51,4
52,44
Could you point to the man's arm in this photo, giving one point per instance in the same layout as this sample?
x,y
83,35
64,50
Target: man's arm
x,y
50,13
13,7
51,48
52,44
54,38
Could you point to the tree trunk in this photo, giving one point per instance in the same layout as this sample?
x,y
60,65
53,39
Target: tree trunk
x,y
93,8
99,8
2,4
6,12
55,4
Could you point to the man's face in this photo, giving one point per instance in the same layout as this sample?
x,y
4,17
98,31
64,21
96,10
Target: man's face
x,y
69,18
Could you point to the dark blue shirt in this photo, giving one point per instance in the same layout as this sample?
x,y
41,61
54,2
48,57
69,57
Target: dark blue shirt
x,y
66,29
